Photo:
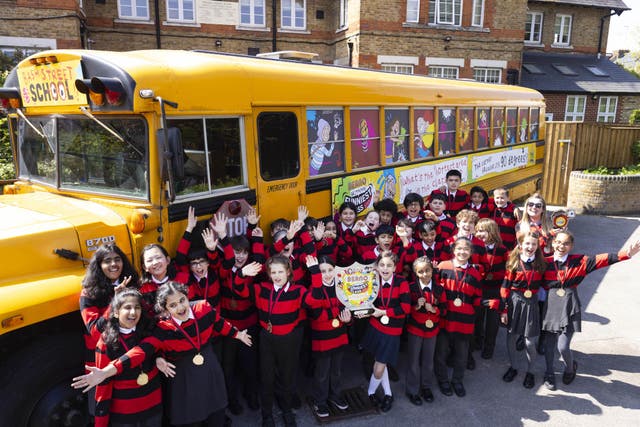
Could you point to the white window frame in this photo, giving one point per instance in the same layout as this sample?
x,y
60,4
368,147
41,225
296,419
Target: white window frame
x,y
575,115
398,68
134,10
548,117
604,116
558,30
531,21
292,16
253,5
477,16
343,14
436,6
444,72
413,10
487,75
181,11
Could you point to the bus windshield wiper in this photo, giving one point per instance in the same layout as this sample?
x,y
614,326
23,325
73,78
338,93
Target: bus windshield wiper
x,y
35,129
120,138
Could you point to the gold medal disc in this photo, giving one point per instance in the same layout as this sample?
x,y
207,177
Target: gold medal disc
x,y
561,292
457,302
269,327
429,323
384,320
335,323
142,379
198,359
528,293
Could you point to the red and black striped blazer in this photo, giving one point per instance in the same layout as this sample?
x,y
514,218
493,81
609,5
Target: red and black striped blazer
x,y
416,322
465,284
573,271
395,299
454,203
506,219
521,280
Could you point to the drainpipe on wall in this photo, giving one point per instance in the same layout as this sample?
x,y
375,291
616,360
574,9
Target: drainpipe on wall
x,y
156,6
615,12
274,30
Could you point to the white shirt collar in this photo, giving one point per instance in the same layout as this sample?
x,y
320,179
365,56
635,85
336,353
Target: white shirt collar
x,y
427,286
442,216
525,258
425,246
345,227
562,259
277,288
180,322
160,282
455,264
127,330
490,246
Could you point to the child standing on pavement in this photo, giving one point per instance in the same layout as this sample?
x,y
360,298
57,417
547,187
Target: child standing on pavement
x,y
523,279
562,311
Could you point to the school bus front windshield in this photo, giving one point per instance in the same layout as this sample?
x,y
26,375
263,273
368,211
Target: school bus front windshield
x,y
77,153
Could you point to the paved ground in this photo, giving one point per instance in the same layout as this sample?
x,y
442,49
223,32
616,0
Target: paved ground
x,y
606,391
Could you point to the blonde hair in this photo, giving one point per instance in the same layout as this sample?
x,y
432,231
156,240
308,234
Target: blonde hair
x,y
467,215
492,229
545,223
539,264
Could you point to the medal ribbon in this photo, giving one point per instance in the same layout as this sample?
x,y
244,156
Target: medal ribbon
x,y
527,277
561,274
330,309
187,336
272,303
386,304
458,282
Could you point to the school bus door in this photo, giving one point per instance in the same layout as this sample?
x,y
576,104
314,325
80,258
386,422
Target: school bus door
x,y
280,177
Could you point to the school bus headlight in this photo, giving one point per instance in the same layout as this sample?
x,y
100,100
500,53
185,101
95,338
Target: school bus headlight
x,y
10,98
84,86
111,87
137,220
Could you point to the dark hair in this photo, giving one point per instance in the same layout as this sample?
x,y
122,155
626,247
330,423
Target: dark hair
x,y
326,259
478,189
439,196
385,229
387,205
454,172
111,331
567,233
279,223
411,198
426,226
166,289
407,223
197,253
387,254
348,205
240,243
171,268
310,222
95,283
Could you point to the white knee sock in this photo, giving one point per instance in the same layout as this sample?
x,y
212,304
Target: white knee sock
x,y
373,384
386,386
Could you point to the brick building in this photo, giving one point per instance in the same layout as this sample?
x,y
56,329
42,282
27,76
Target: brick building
x,y
466,39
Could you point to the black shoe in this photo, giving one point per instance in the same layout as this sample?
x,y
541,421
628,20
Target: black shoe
x,y
393,374
550,382
520,344
415,399
252,401
374,400
338,402
459,389
528,380
289,419
227,421
445,388
568,377
385,406
321,409
471,363
268,421
295,402
427,395
235,408
509,375
487,353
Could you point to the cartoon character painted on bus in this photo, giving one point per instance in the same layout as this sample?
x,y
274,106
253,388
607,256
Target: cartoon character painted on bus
x,y
365,143
424,139
398,138
523,129
387,184
318,149
483,128
446,130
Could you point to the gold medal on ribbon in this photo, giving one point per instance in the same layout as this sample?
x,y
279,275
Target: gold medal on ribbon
x,y
528,293
429,323
457,302
384,320
142,379
233,304
490,276
561,292
198,359
335,323
269,326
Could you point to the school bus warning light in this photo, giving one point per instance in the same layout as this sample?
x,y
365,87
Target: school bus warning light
x,y
10,98
101,89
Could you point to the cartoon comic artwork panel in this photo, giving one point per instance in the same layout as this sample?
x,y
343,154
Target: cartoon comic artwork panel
x,y
465,129
424,125
365,138
397,135
523,124
484,127
325,130
446,130
512,125
498,126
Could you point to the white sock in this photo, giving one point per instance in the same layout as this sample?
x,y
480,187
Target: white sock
x,y
386,386
373,384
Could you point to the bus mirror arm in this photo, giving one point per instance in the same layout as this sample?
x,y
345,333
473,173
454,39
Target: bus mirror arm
x,y
167,154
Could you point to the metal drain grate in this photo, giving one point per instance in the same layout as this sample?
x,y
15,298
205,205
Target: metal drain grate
x,y
359,405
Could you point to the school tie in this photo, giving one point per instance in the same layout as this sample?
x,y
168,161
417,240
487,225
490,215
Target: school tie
x,y
430,253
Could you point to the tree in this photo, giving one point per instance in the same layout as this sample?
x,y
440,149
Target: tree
x,y
7,170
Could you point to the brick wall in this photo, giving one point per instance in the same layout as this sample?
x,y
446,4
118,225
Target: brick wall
x,y
603,194
556,104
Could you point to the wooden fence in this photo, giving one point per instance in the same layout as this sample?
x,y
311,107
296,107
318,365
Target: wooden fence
x,y
573,146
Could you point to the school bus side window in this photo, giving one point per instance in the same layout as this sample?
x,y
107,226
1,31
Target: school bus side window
x,y
278,145
213,157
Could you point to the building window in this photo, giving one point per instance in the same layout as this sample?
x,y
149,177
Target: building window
x,y
443,72
252,13
413,10
181,10
398,68
562,34
487,75
343,14
575,108
294,15
607,109
533,28
478,13
133,9
445,12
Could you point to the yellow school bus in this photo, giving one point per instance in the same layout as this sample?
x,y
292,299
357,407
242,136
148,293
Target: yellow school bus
x,y
115,146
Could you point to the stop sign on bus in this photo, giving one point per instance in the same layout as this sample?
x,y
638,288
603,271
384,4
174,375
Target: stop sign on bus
x,y
236,211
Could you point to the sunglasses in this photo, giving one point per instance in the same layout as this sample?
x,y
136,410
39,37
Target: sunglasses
x,y
534,205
